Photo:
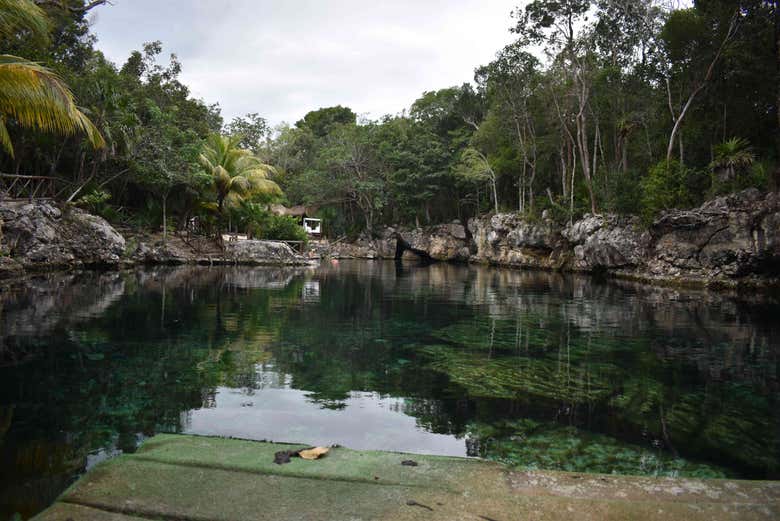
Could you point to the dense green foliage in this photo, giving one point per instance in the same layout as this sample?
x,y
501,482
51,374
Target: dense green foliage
x,y
33,96
631,108
598,105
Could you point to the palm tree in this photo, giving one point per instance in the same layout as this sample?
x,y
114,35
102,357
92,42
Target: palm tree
x,y
236,174
730,156
30,94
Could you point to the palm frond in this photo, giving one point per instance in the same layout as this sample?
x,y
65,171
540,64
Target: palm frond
x,y
266,187
236,173
35,97
5,138
23,15
733,153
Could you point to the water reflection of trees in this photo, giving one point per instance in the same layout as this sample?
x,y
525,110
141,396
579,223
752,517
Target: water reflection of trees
x,y
690,374
111,357
506,359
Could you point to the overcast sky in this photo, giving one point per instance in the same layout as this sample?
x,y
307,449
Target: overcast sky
x,y
284,58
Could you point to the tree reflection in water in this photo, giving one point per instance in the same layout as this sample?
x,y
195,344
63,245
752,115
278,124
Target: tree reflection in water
x,y
534,369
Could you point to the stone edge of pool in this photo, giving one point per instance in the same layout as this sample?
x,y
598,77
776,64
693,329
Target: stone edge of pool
x,y
200,478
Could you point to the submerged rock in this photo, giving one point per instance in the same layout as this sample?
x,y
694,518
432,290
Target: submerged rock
x,y
39,234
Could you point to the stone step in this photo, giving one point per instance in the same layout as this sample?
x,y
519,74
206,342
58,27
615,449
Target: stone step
x,y
191,478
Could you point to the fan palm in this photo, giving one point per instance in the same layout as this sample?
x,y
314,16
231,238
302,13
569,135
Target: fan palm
x,y
235,173
732,155
31,94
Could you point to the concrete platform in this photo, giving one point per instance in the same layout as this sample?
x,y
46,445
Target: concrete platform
x,y
191,478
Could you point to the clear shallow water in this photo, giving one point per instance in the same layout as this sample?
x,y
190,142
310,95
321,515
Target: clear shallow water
x,y
534,369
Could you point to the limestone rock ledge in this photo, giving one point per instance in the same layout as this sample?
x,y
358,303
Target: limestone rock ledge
x,y
443,242
732,236
726,239
39,234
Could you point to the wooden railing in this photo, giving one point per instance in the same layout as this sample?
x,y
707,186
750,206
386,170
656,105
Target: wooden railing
x,y
297,246
14,186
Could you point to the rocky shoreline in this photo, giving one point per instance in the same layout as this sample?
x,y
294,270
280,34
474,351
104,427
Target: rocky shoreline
x,y
731,241
39,236
728,242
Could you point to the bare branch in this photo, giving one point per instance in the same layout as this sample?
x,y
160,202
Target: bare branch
x,y
707,76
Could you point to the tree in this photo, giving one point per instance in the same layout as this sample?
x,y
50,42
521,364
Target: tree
x,y
554,23
252,130
322,121
352,167
676,35
30,94
234,172
474,166
510,82
163,161
418,167
444,121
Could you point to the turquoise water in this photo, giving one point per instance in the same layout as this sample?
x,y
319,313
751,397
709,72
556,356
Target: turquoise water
x,y
534,369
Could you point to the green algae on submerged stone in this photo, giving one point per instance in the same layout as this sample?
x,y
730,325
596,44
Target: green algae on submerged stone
x,y
530,445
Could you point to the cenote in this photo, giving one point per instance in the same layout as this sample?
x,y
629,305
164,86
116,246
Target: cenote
x,y
534,369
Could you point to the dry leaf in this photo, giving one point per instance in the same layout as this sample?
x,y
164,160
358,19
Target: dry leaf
x,y
313,453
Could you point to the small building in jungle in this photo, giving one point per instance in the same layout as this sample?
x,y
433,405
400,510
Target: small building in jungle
x,y
300,213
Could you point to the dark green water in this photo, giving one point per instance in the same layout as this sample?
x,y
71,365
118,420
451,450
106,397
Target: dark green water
x,y
534,369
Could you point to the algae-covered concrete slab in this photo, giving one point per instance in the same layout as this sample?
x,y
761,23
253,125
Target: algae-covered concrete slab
x,y
203,478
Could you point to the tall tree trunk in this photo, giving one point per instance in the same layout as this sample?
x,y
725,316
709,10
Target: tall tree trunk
x,y
777,86
165,219
564,170
521,188
495,191
707,76
582,144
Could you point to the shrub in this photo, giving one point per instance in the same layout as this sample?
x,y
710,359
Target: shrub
x,y
622,193
671,185
255,219
556,209
281,228
96,202
755,177
148,216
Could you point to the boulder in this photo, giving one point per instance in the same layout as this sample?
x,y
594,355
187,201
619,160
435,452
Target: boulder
x,y
444,242
159,253
510,240
731,236
607,242
263,252
39,234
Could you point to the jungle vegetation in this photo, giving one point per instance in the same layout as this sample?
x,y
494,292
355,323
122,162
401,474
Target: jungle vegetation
x,y
627,106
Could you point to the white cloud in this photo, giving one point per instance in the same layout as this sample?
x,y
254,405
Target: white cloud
x,y
285,58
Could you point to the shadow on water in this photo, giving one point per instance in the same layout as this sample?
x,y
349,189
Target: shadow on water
x,y
535,369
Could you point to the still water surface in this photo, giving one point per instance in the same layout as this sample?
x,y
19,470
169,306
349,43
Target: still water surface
x,y
534,369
